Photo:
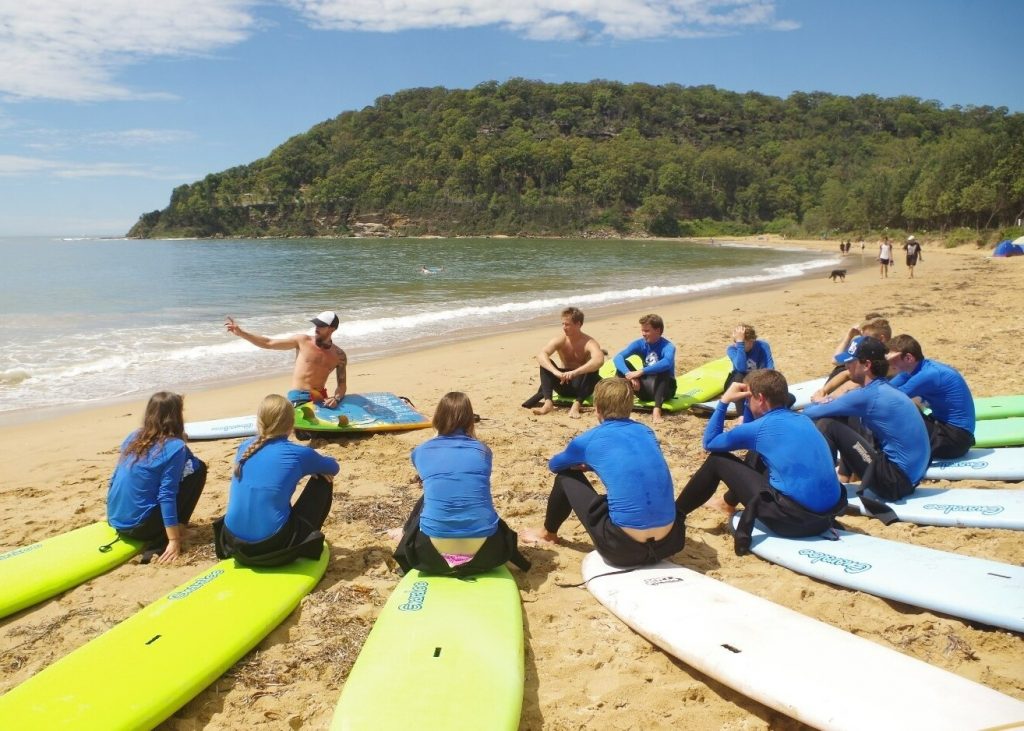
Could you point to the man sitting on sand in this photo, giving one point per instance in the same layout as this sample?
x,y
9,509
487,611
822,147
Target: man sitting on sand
x,y
581,358
792,487
892,470
655,379
747,353
839,382
951,424
315,357
635,523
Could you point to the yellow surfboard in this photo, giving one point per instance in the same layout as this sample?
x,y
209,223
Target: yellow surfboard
x,y
702,383
444,654
31,574
141,671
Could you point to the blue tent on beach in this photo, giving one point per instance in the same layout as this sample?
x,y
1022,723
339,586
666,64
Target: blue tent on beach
x,y
1008,248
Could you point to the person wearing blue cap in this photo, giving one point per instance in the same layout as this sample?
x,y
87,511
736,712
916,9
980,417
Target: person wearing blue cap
x,y
315,357
893,469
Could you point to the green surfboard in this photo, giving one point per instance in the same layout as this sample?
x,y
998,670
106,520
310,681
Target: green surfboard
x,y
445,654
701,384
142,670
31,574
998,407
999,432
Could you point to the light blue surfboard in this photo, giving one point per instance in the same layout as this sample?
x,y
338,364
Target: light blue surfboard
x,y
801,391
962,507
971,588
1003,464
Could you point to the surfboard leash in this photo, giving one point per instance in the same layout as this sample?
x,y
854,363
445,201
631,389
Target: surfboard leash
x,y
107,548
597,576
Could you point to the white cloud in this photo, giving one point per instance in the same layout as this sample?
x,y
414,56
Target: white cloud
x,y
550,19
50,140
70,50
138,137
117,170
73,51
20,166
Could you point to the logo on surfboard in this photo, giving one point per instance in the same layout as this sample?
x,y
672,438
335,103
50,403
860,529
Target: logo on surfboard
x,y
417,594
983,509
663,580
195,585
848,565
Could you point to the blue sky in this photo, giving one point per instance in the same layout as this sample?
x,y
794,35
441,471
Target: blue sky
x,y
105,109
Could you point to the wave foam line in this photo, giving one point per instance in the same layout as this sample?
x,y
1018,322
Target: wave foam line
x,y
357,329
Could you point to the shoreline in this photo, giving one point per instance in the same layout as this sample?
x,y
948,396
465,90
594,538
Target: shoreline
x,y
360,356
584,669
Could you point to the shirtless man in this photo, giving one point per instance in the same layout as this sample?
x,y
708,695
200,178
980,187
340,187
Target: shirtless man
x,y
581,358
315,358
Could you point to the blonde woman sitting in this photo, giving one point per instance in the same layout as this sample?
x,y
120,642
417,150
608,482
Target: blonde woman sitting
x,y
262,527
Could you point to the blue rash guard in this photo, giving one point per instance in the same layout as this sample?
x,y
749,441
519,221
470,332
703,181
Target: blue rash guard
x,y
139,485
259,503
799,463
456,474
626,456
760,356
657,358
943,389
892,417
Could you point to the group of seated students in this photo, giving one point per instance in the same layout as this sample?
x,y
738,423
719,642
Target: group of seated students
x,y
788,478
158,481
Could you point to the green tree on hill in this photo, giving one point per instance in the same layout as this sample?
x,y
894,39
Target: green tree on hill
x,y
525,157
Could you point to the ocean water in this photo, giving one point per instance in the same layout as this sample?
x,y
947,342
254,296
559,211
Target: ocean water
x,y
90,320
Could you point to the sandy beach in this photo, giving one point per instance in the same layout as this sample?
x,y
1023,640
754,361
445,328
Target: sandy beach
x,y
584,669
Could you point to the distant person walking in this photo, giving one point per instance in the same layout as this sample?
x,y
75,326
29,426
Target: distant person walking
x,y
884,258
913,248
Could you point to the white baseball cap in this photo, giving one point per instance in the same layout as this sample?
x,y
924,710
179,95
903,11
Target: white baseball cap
x,y
911,238
327,318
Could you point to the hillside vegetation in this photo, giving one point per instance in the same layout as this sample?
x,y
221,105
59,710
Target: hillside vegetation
x,y
530,158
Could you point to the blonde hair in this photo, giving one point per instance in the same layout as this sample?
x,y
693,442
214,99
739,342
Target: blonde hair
x,y
454,412
274,418
613,397
749,333
878,328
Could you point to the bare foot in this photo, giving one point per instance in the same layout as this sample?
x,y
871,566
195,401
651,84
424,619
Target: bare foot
x,y
394,534
718,503
574,410
656,416
534,537
547,408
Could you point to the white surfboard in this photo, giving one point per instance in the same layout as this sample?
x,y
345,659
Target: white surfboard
x,y
962,507
802,391
999,463
971,588
797,665
230,428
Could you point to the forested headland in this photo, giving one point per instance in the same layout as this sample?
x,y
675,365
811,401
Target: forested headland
x,y
531,158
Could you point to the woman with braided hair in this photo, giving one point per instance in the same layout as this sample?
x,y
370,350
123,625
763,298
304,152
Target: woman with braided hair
x,y
157,481
262,527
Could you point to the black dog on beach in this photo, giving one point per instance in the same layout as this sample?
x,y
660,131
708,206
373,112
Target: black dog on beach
x,y
838,275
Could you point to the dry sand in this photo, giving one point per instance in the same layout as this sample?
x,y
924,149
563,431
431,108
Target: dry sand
x,y
584,669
